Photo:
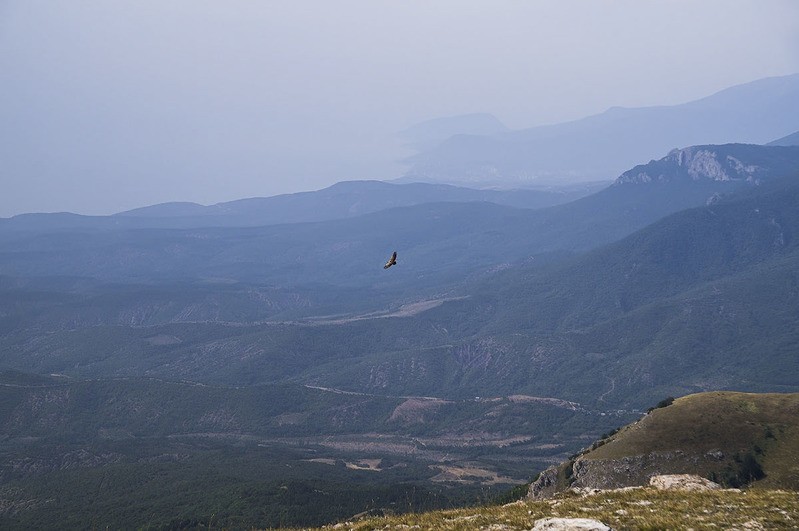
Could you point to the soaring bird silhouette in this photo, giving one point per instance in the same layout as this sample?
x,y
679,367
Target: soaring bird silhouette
x,y
391,261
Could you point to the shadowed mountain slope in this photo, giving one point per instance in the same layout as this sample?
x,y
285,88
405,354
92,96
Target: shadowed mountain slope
x,y
342,200
704,299
439,244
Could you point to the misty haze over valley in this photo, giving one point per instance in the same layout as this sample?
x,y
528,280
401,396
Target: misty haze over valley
x,y
596,259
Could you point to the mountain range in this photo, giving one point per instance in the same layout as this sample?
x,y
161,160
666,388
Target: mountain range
x,y
602,146
211,350
440,244
339,201
506,311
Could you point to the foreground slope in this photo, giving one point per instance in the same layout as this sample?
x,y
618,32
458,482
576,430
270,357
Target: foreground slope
x,y
638,509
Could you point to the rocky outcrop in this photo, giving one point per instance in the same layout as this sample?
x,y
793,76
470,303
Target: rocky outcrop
x,y
546,485
694,163
635,470
729,163
688,482
587,475
569,524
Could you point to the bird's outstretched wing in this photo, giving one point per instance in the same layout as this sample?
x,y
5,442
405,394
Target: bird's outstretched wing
x,y
391,261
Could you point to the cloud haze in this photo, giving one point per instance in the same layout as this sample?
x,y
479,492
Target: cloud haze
x,y
112,105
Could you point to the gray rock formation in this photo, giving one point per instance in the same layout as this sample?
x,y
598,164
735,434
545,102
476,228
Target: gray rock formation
x,y
569,524
546,485
586,475
682,482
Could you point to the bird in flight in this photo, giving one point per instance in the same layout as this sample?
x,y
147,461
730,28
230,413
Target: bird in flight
x,y
391,261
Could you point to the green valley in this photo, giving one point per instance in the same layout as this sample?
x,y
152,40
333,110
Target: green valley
x,y
278,376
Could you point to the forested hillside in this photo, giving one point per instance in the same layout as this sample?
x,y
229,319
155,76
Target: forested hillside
x,y
503,341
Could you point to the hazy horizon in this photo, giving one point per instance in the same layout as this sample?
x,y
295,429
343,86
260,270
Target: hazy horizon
x,y
113,107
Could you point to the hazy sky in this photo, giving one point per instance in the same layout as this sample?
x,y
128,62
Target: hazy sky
x,y
108,105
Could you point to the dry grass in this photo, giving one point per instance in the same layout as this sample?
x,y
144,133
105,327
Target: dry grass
x,y
702,421
707,434
643,508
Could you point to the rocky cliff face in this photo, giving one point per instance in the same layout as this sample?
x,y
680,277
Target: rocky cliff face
x,y
743,163
583,474
637,470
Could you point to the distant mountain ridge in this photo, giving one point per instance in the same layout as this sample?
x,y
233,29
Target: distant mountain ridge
x,y
474,236
428,134
342,200
354,198
602,146
790,140
703,299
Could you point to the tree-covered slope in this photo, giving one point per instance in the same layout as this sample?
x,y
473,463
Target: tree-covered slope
x,y
134,452
704,299
439,244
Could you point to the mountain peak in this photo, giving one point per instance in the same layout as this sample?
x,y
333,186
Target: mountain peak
x,y
430,133
723,163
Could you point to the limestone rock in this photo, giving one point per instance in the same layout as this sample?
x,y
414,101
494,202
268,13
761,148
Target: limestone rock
x,y
545,486
569,524
682,482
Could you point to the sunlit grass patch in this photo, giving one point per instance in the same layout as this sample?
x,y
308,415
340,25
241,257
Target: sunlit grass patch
x,y
646,509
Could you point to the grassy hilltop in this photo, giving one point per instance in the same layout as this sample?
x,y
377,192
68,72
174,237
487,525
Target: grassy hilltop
x,y
644,509
727,429
735,439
